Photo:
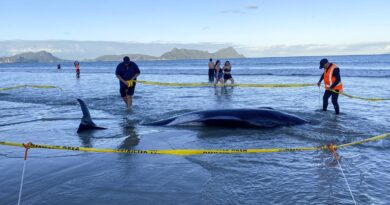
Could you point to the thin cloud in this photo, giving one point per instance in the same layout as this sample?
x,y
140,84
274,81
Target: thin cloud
x,y
316,49
240,11
36,49
232,11
252,7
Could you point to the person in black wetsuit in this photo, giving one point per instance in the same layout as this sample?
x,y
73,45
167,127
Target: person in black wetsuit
x,y
332,82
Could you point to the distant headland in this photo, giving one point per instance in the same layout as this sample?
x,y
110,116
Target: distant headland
x,y
174,54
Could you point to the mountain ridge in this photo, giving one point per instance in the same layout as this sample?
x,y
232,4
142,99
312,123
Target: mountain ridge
x,y
31,57
177,54
174,54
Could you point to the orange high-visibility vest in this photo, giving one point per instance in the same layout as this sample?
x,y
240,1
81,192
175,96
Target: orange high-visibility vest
x,y
329,78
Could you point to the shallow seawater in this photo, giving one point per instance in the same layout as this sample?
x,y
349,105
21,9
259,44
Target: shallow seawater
x,y
51,116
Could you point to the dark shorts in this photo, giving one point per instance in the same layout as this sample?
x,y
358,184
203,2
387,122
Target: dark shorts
x,y
127,91
227,76
211,72
220,75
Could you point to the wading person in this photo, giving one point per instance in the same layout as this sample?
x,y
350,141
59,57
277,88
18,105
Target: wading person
x,y
227,75
211,70
127,71
332,82
77,67
218,72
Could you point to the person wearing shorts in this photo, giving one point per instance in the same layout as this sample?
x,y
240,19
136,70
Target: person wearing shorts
x,y
227,75
211,70
126,72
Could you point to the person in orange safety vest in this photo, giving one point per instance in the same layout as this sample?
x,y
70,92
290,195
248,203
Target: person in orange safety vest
x,y
333,85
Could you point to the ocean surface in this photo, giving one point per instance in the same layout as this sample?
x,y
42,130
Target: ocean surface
x,y
52,116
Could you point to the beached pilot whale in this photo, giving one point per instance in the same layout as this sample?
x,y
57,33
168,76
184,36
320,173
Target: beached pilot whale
x,y
257,118
86,121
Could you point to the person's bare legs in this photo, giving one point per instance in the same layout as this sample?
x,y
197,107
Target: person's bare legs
x,y
128,100
125,100
231,81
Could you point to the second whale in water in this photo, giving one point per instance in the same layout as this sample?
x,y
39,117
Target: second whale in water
x,y
257,118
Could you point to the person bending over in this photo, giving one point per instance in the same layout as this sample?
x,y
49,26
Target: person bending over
x,y
332,82
127,71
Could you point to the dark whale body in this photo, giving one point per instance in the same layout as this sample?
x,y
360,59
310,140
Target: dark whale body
x,y
258,118
231,118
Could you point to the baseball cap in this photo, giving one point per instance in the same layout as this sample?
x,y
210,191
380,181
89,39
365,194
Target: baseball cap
x,y
323,62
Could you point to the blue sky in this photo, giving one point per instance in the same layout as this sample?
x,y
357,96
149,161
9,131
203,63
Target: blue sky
x,y
252,26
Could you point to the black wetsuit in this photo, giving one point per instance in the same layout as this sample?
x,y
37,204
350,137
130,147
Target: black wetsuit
x,y
328,93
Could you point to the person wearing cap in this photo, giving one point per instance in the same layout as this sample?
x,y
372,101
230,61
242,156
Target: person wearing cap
x,y
332,82
127,71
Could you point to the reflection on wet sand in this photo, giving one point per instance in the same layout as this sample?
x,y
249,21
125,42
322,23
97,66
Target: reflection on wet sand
x,y
132,138
128,130
224,90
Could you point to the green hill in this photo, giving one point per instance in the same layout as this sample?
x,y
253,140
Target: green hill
x,y
31,57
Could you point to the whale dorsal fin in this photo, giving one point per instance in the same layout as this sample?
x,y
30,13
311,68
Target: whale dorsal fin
x,y
86,121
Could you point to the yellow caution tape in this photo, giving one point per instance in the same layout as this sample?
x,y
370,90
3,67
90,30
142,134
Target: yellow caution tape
x,y
233,85
291,85
195,151
361,98
379,137
30,86
130,83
